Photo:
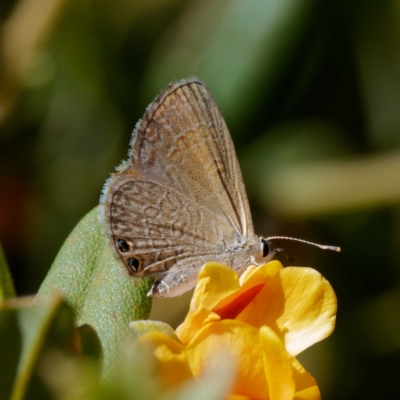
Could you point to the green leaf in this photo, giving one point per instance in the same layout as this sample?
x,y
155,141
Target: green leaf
x,y
90,343
10,349
6,284
98,288
141,327
30,329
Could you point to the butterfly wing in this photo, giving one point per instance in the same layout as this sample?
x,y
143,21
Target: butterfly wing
x,y
183,141
157,230
180,200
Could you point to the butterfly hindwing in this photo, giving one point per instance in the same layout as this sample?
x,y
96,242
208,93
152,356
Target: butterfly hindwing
x,y
160,226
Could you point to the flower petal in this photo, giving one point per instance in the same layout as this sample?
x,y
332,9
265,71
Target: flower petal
x,y
278,366
243,341
255,275
171,357
215,282
194,321
252,281
298,304
306,386
311,393
218,290
287,379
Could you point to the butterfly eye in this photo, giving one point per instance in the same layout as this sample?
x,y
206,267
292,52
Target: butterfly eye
x,y
123,246
133,264
265,248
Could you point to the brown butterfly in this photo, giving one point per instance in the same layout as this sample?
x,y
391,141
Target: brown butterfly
x,y
179,200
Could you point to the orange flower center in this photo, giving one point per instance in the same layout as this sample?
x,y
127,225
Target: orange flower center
x,y
234,308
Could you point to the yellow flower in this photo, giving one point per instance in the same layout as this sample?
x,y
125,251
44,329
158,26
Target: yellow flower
x,y
264,319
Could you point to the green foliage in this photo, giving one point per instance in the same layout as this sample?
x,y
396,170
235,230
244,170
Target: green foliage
x,y
6,285
47,353
28,330
95,285
44,357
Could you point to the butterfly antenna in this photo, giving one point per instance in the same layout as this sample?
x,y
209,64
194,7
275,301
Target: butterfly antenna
x,y
321,246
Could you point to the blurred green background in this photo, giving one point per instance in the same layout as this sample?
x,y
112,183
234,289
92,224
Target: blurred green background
x,y
311,93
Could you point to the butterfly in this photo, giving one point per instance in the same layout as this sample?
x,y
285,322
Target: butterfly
x,y
179,200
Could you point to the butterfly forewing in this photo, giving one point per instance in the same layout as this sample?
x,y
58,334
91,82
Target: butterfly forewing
x,y
183,142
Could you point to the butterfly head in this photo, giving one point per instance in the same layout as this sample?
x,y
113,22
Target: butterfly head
x,y
265,252
267,249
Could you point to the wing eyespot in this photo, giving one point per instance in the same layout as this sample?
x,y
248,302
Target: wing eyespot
x,y
133,264
123,245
